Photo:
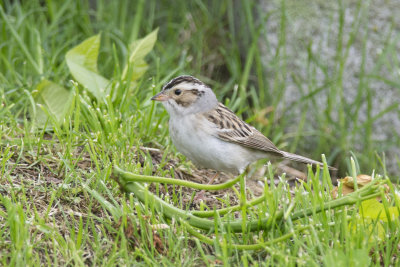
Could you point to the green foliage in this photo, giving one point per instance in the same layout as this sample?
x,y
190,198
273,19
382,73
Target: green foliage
x,y
58,203
359,257
82,63
375,218
51,99
138,50
374,210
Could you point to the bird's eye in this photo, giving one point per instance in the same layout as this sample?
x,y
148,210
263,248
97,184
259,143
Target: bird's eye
x,y
178,91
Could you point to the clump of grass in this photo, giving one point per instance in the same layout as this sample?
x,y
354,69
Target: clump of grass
x,y
54,184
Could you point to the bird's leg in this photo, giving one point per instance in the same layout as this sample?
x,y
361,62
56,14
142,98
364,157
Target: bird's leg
x,y
213,178
243,198
243,177
200,195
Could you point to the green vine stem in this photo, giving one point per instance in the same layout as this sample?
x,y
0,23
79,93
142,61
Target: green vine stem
x,y
257,246
369,191
128,176
132,177
211,213
167,209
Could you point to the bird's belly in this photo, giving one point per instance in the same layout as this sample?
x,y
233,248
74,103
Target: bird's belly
x,y
211,152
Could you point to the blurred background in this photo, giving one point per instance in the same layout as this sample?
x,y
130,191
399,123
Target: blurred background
x,y
316,77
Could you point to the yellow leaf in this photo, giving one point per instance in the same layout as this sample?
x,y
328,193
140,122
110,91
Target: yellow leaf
x,y
373,209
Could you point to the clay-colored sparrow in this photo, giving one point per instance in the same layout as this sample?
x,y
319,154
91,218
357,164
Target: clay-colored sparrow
x,y
210,134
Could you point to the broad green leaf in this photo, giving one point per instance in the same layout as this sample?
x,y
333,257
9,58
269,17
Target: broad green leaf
x,y
86,53
138,50
82,63
139,68
55,98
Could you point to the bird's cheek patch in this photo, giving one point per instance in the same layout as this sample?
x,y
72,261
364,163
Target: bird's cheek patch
x,y
186,99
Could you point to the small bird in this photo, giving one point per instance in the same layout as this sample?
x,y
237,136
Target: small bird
x,y
210,134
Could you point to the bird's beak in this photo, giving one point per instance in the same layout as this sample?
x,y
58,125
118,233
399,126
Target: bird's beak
x,y
160,97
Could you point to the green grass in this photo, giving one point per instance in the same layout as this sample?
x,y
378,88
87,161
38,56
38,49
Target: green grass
x,y
58,203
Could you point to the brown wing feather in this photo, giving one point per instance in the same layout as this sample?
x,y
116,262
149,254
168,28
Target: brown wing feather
x,y
234,130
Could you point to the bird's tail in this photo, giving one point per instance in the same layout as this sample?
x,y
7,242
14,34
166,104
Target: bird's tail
x,y
302,159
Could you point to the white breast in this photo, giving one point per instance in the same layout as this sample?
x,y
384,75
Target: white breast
x,y
195,138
